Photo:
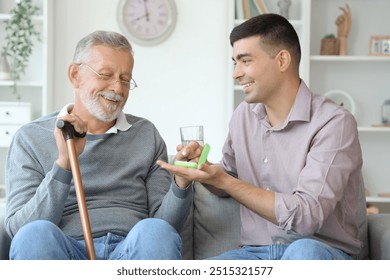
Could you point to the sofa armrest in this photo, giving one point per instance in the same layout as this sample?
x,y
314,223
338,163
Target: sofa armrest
x,y
5,240
379,236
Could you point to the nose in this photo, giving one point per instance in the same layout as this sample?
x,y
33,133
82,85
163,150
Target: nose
x,y
237,72
117,86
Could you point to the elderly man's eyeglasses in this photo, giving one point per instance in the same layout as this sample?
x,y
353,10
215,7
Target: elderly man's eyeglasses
x,y
111,78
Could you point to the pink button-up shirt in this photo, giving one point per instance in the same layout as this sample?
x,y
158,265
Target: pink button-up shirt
x,y
313,164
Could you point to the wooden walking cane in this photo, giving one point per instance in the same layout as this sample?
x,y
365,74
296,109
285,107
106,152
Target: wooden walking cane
x,y
69,133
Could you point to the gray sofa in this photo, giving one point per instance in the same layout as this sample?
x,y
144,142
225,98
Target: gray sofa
x,y
214,226
216,222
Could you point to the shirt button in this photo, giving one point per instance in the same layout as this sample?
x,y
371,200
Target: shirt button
x,y
265,160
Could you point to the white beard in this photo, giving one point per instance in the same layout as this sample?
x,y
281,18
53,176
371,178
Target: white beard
x,y
107,114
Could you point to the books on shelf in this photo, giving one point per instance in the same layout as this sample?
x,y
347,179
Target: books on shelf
x,y
245,5
248,8
260,6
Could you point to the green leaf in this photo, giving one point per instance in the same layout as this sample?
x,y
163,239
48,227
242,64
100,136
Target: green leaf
x,y
20,32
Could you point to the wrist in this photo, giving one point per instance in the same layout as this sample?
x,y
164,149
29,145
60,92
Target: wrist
x,y
181,182
63,163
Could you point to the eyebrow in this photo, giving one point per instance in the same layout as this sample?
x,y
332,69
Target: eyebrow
x,y
240,56
111,69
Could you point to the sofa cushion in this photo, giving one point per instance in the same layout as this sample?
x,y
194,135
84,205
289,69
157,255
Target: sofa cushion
x,y
379,236
186,234
362,225
217,223
5,240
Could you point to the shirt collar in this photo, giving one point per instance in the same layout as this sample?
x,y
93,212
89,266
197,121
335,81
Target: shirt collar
x,y
301,108
300,111
121,122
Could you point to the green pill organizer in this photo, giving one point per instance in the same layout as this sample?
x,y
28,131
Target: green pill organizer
x,y
191,164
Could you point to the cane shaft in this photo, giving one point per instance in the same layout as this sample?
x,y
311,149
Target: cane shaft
x,y
81,199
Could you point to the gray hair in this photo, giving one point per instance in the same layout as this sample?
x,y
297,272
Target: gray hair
x,y
112,39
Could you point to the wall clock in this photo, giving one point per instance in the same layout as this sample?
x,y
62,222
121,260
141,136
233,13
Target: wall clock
x,y
147,22
342,98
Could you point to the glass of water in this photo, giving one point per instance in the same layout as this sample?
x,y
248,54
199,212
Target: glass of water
x,y
192,133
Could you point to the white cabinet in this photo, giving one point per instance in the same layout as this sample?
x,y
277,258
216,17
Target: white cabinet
x,y
35,87
12,116
363,77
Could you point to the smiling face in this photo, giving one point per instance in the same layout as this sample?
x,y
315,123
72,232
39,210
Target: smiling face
x,y
100,82
256,68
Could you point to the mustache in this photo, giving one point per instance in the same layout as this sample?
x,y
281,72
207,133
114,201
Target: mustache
x,y
111,95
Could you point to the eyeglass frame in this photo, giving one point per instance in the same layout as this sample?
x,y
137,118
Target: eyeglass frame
x,y
130,84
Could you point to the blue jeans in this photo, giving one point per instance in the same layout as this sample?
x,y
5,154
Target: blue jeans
x,y
149,239
301,249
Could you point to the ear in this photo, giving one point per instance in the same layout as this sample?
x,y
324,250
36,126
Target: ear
x,y
284,59
73,75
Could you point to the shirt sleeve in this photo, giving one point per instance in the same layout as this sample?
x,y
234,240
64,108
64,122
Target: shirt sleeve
x,y
228,161
332,160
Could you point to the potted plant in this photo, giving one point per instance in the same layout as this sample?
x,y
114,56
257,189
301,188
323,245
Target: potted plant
x,y
330,45
19,40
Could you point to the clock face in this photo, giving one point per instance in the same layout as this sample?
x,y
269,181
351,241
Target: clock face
x,y
147,22
342,98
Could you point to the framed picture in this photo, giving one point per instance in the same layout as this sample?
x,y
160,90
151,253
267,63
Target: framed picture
x,y
380,45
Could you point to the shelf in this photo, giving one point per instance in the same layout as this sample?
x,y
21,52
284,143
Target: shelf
x,y
377,199
21,84
357,58
8,16
237,87
2,193
373,129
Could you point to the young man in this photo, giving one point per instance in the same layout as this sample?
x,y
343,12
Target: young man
x,y
292,159
134,209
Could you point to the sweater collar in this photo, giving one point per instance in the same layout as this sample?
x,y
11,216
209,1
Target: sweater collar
x,y
121,122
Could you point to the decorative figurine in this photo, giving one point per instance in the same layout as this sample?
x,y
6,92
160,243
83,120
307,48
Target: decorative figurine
x,y
284,6
343,23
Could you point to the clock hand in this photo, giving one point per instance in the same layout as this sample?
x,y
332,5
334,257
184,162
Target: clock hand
x,y
146,11
138,18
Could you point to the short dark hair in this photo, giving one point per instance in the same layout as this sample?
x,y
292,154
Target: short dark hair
x,y
275,32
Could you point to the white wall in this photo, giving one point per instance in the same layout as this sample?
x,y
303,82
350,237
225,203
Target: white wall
x,y
181,81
